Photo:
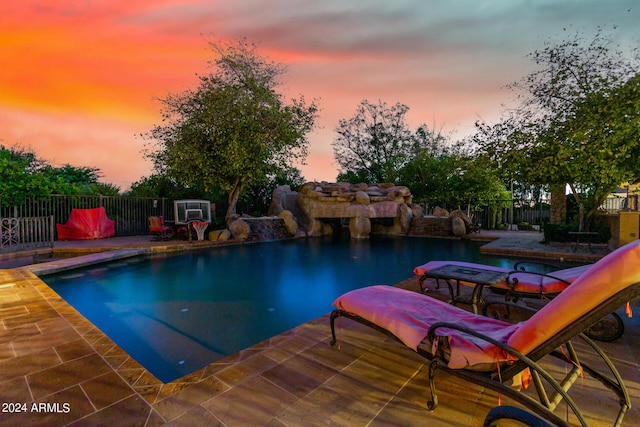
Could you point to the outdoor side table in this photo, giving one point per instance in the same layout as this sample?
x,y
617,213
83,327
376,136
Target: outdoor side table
x,y
479,277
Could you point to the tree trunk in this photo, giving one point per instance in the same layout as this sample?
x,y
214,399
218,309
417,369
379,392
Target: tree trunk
x,y
580,207
580,216
234,195
558,204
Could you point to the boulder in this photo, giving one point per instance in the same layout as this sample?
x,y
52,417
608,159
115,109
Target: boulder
x,y
317,202
239,229
290,223
359,227
362,198
417,210
405,215
219,235
459,214
457,227
278,200
438,211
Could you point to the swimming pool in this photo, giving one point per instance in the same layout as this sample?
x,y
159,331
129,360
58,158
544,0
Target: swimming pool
x,y
177,313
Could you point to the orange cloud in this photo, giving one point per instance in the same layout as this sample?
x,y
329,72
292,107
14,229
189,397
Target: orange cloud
x,y
86,74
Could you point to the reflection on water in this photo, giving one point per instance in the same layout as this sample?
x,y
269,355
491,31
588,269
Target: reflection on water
x,y
177,313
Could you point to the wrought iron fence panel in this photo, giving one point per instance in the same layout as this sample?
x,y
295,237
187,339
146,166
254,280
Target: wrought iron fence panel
x,y
492,214
129,213
17,234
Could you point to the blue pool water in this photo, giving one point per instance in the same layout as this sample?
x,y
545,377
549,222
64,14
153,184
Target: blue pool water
x,y
177,313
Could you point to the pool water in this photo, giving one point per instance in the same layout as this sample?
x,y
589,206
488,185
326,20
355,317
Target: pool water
x,y
175,314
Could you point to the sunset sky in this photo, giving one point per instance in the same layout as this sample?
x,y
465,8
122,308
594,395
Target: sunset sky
x,y
79,80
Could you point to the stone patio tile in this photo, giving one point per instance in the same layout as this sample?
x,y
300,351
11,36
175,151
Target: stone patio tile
x,y
54,379
73,349
299,375
106,389
254,402
58,409
28,364
197,416
179,403
132,411
244,369
54,338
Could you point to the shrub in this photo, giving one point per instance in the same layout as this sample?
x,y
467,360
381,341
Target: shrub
x,y
524,226
560,232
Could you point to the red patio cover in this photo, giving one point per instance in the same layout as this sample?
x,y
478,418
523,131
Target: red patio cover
x,y
86,224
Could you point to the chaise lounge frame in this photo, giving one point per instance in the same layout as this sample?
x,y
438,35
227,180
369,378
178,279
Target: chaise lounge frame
x,y
521,284
559,346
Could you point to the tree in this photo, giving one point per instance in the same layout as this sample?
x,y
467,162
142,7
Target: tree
x,y
234,129
19,177
71,180
23,174
577,125
160,186
375,143
453,179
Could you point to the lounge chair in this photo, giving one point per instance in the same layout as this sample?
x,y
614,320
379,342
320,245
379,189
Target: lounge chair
x,y
522,284
491,352
158,229
518,282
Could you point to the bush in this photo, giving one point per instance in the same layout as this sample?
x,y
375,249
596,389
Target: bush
x,y
560,232
524,226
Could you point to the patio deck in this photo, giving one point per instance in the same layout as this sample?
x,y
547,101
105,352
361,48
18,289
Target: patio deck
x,y
49,353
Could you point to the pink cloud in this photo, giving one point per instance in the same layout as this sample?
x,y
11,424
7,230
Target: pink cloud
x,y
86,74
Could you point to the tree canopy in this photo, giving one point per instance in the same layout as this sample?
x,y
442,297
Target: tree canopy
x,y
578,123
19,177
376,143
234,128
453,178
23,174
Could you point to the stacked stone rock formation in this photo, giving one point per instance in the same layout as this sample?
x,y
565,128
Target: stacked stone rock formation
x,y
359,203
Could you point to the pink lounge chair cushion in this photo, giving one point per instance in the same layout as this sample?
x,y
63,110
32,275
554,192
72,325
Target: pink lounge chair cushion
x,y
604,279
408,315
527,283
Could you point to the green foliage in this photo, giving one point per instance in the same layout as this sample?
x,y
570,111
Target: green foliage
x,y
103,189
560,232
578,123
75,180
452,180
162,186
525,226
19,176
234,129
23,174
376,143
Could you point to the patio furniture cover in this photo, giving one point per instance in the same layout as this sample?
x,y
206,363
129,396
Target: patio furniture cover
x,y
86,224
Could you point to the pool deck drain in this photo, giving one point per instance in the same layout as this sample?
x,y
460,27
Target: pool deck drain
x,y
49,353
